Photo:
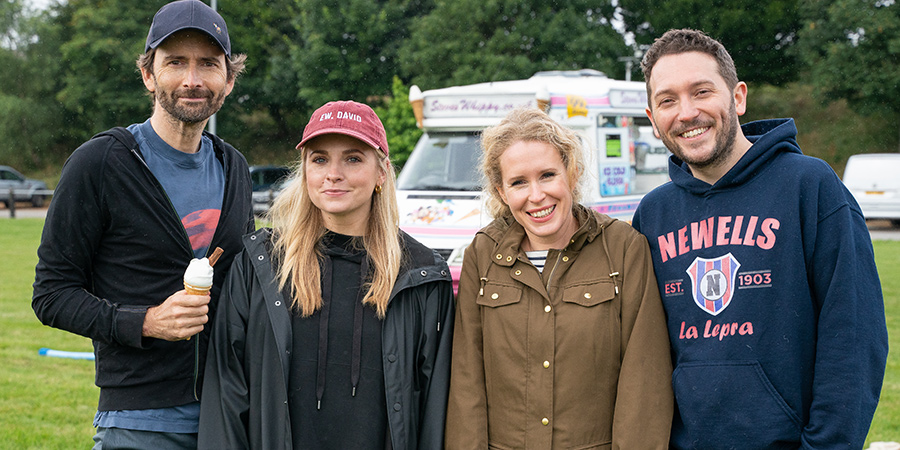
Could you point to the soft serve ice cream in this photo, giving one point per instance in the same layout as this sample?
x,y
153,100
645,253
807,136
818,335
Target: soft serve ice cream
x,y
198,277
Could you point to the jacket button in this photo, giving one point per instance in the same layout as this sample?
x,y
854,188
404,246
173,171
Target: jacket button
x,y
392,358
260,257
424,273
546,364
508,258
565,258
545,421
253,238
277,302
587,295
495,296
444,272
518,272
499,256
397,406
547,308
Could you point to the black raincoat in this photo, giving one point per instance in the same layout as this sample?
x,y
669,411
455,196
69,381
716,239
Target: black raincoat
x,y
245,401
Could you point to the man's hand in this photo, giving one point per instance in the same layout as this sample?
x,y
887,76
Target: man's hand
x,y
178,318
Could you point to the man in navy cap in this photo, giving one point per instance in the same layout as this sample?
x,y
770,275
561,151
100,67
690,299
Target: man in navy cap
x,y
132,208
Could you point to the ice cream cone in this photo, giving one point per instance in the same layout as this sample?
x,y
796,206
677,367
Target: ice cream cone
x,y
543,99
196,290
417,100
198,277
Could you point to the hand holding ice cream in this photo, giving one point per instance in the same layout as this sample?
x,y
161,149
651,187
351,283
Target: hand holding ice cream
x,y
184,313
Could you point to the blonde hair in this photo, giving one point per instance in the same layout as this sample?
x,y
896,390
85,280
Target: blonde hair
x,y
298,229
527,125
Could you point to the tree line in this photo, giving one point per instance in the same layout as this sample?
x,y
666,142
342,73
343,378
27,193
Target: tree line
x,y
68,72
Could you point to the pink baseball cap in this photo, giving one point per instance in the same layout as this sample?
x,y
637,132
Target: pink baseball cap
x,y
348,118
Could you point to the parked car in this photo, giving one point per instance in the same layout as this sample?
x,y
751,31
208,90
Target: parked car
x,y
24,189
874,180
267,184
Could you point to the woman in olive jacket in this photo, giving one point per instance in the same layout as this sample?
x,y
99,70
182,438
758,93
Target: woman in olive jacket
x,y
560,339
335,328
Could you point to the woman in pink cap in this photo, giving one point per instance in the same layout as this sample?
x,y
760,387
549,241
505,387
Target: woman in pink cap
x,y
334,328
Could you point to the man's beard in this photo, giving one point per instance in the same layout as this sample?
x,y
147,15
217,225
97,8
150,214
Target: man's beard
x,y
724,144
190,114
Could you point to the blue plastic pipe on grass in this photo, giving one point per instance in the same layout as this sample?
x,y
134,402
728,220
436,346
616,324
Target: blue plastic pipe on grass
x,y
62,354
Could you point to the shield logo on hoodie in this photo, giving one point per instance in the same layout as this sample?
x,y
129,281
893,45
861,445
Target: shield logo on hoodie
x,y
713,282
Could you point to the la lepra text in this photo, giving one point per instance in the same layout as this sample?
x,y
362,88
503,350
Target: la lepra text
x,y
717,331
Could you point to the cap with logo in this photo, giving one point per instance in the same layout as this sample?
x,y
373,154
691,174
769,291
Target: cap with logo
x,y
350,119
188,14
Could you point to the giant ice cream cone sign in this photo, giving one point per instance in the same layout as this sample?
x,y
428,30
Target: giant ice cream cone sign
x,y
417,100
543,100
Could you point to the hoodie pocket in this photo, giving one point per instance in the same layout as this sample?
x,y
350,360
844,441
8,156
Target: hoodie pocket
x,y
731,404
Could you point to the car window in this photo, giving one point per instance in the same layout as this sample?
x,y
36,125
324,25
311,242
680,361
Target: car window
x,y
264,177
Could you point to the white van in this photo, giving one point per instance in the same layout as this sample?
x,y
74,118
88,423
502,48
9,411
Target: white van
x,y
439,188
874,180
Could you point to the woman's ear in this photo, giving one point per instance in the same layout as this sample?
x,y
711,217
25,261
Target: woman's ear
x,y
382,174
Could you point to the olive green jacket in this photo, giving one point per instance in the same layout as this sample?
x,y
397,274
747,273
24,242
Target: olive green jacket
x,y
574,357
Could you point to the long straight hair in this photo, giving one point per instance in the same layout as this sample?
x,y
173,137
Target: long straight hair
x,y
298,229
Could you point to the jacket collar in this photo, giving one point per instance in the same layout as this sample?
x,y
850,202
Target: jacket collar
x,y
508,234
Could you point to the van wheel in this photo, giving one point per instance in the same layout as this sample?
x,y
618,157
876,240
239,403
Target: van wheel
x,y
895,223
37,201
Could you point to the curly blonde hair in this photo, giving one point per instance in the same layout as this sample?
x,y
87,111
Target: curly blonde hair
x,y
527,125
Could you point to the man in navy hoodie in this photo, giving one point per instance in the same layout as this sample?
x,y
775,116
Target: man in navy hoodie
x,y
765,267
132,208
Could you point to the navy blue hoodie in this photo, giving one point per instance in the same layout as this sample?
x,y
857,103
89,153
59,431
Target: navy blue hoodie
x,y
773,302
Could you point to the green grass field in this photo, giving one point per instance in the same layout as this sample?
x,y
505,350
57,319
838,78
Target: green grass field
x,y
46,402
49,403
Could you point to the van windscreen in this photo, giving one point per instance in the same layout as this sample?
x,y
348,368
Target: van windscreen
x,y
443,162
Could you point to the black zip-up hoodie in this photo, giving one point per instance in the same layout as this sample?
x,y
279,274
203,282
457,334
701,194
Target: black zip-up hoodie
x,y
113,246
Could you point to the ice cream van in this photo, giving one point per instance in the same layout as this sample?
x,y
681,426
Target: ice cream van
x,y
439,188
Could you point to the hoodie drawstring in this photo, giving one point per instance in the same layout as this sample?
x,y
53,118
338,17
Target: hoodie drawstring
x,y
355,358
328,267
359,310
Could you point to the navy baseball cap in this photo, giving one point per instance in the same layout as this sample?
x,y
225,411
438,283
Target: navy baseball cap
x,y
188,14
